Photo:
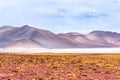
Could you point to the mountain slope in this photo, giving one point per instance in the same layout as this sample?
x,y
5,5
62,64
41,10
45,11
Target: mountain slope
x,y
94,39
30,37
105,37
44,38
24,43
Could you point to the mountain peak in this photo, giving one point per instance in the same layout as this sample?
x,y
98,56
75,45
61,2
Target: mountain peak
x,y
70,34
26,26
105,34
98,31
6,26
73,33
31,36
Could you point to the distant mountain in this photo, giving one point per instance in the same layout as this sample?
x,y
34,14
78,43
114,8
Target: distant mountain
x,y
30,37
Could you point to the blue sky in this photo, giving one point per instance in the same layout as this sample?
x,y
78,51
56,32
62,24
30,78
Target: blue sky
x,y
62,15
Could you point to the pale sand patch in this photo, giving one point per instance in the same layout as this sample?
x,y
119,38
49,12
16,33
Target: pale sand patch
x,y
3,75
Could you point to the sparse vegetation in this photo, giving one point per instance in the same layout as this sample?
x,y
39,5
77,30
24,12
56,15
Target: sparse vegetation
x,y
60,67
39,79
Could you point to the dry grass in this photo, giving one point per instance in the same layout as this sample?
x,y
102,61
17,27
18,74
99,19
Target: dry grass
x,y
52,66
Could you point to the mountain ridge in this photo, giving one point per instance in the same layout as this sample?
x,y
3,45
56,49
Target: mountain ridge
x,y
27,36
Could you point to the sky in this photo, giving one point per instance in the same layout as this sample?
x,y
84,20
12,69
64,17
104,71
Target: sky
x,y
58,16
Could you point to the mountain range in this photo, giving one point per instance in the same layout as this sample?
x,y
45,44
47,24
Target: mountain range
x,y
31,37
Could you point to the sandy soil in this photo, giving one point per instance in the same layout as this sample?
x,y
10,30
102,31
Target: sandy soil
x,y
60,67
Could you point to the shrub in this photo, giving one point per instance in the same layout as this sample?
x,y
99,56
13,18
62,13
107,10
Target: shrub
x,y
39,79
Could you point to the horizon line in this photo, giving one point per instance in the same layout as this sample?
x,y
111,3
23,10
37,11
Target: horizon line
x,y
37,27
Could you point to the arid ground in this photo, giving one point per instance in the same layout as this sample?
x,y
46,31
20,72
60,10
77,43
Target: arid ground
x,y
59,67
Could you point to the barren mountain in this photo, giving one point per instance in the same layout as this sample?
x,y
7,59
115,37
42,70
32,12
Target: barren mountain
x,y
30,37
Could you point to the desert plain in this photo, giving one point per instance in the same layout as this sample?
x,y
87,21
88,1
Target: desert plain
x,y
65,66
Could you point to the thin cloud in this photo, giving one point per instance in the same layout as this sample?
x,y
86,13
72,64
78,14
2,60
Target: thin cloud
x,y
54,15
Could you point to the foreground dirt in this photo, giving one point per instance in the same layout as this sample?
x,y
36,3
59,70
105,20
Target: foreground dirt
x,y
60,67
